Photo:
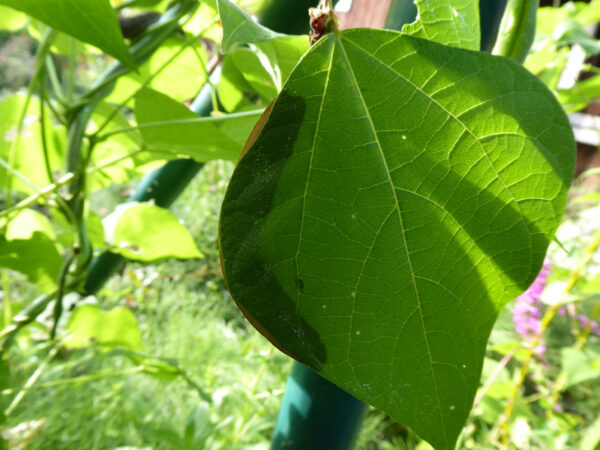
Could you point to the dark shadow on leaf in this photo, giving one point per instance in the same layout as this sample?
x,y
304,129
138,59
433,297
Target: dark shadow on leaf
x,y
247,271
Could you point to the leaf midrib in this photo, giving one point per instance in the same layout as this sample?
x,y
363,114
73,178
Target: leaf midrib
x,y
340,44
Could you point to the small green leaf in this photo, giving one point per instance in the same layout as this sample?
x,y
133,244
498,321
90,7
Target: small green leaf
x,y
91,21
400,194
181,78
447,22
268,64
232,86
240,28
148,233
90,325
36,257
200,140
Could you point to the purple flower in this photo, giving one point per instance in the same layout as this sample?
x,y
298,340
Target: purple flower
x,y
527,310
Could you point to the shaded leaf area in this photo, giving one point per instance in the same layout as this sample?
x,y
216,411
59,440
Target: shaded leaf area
x,y
149,233
239,28
91,21
447,22
399,195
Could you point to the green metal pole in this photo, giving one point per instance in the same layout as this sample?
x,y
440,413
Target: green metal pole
x,y
490,13
316,414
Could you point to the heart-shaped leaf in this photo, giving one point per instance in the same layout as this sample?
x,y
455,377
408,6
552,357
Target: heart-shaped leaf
x,y
399,195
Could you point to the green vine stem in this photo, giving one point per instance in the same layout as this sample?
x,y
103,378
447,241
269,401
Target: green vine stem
x,y
573,278
10,170
144,48
45,191
58,301
148,80
166,123
40,57
77,380
63,181
43,136
31,381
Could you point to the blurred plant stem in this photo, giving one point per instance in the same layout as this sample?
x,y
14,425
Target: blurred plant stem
x,y
31,381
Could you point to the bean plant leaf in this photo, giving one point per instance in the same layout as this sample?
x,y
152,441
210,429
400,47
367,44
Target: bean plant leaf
x,y
199,139
149,233
91,21
35,257
239,28
177,69
399,195
267,66
115,328
449,22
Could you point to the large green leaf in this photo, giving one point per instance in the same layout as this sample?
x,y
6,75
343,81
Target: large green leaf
x,y
201,140
239,28
449,22
399,195
148,233
92,21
